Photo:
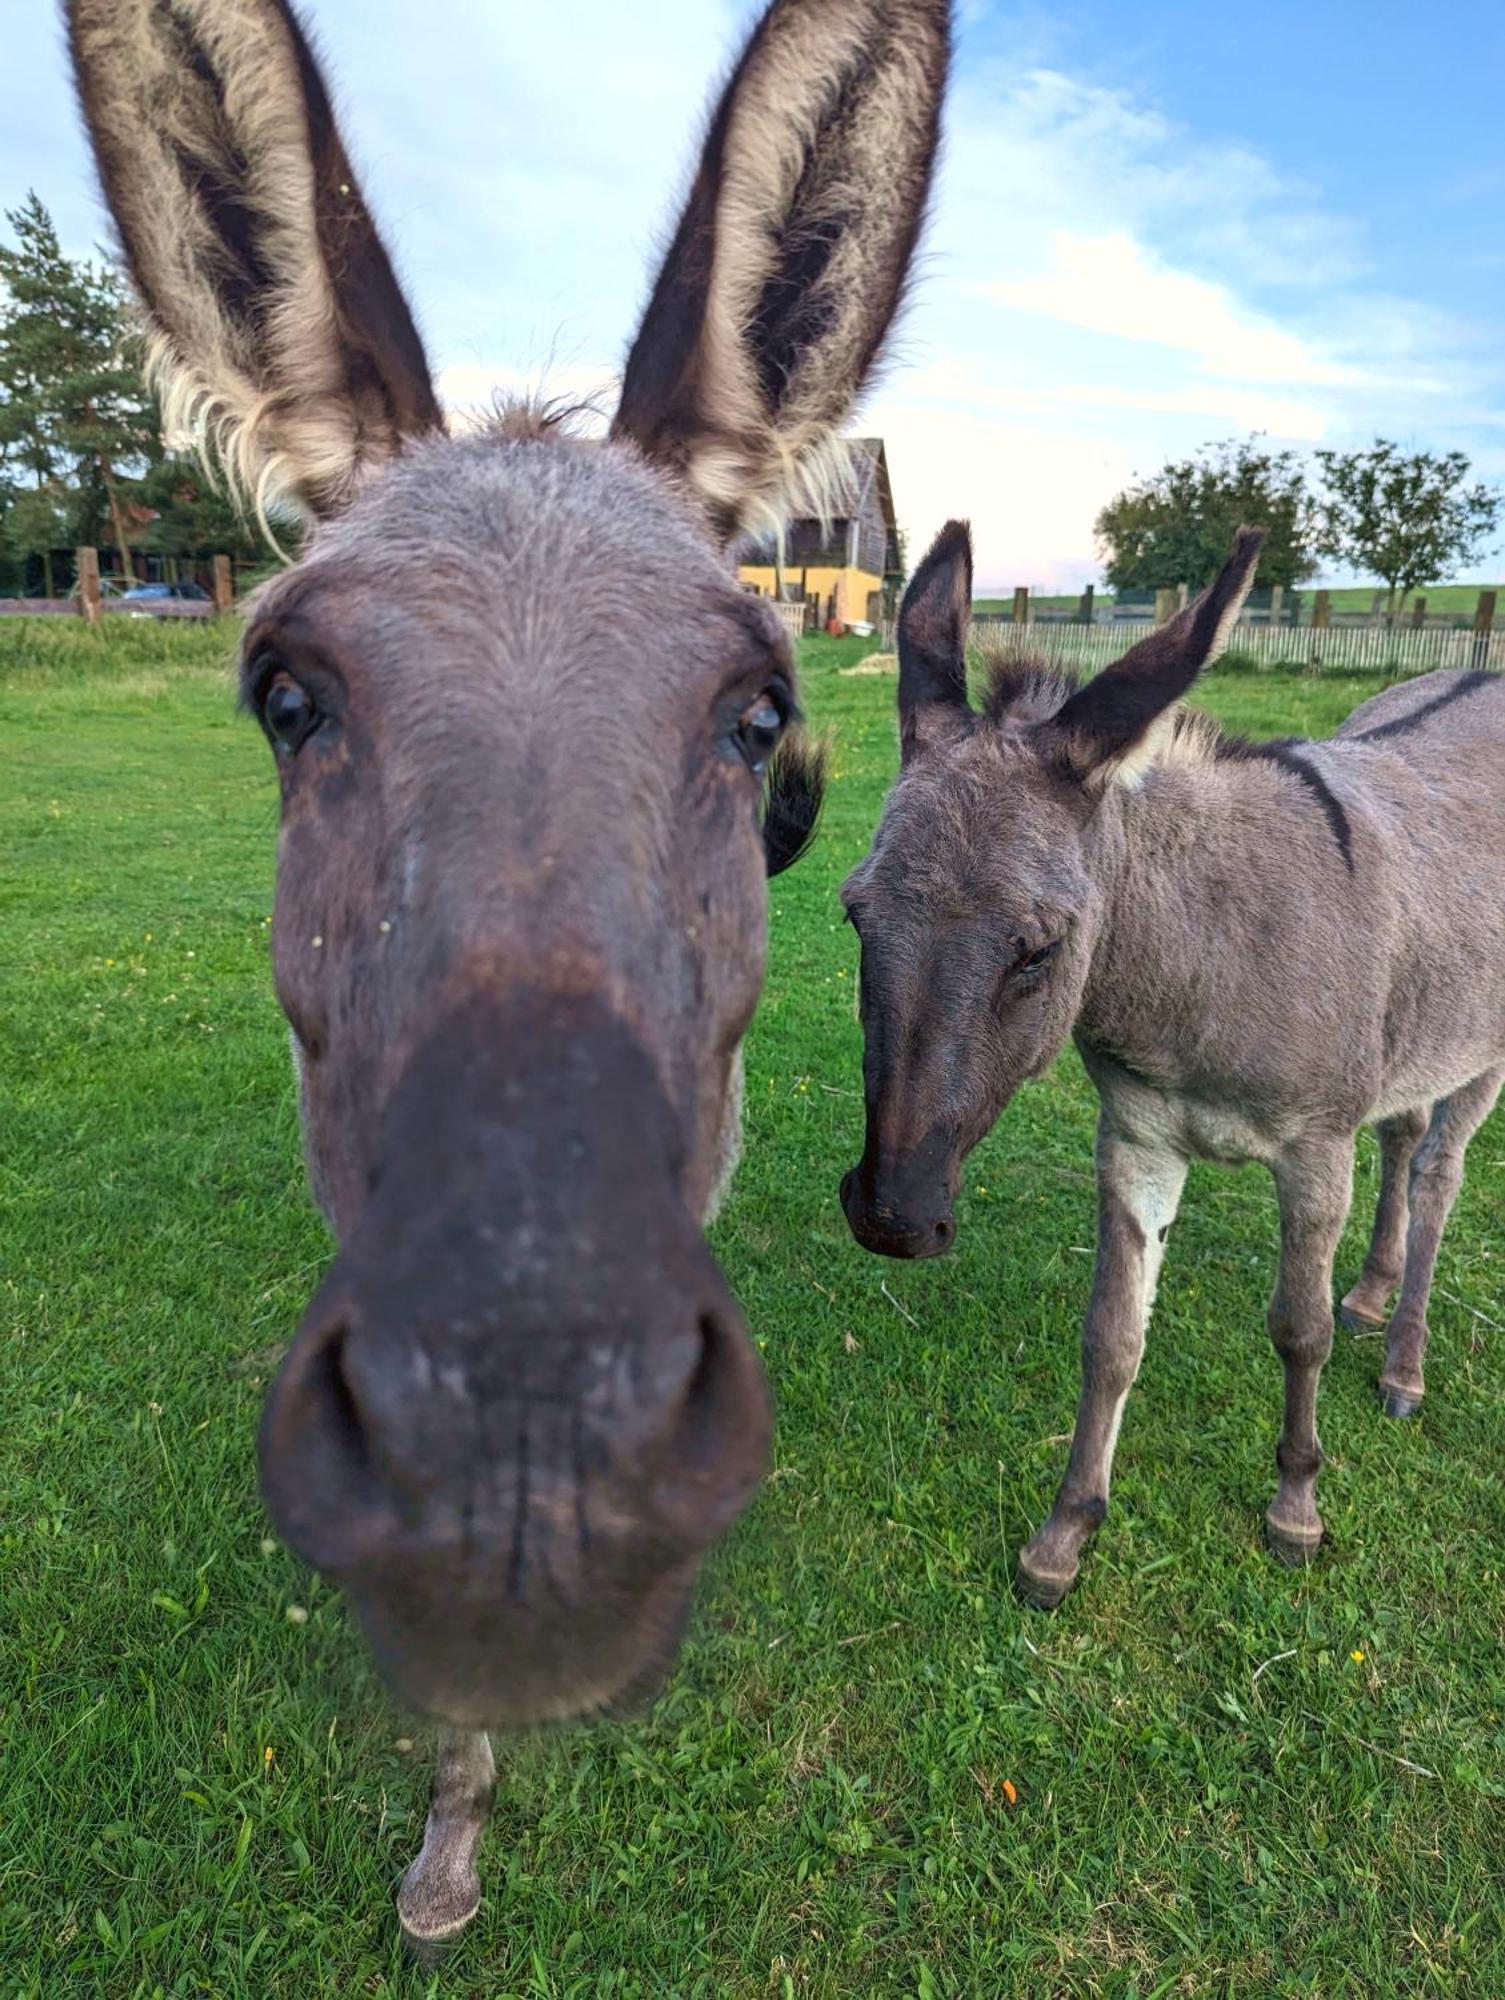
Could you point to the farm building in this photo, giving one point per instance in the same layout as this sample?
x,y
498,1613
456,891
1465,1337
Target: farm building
x,y
850,568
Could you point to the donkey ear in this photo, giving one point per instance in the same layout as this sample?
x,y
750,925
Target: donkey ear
x,y
791,256
1107,729
934,621
279,331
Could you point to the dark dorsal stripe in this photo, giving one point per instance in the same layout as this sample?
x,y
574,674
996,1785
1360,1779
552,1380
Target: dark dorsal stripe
x,y
1286,752
1287,756
1470,684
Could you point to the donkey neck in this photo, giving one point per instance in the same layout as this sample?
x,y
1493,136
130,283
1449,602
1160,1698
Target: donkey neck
x,y
1217,879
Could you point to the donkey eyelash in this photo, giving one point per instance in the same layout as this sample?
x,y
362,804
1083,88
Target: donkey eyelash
x,y
1028,966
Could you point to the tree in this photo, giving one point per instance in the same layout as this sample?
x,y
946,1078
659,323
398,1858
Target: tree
x,y
1177,526
1407,519
76,422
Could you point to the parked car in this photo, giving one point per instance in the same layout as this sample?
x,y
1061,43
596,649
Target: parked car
x,y
150,600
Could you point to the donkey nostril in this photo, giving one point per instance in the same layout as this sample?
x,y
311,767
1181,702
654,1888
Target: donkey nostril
x,y
329,1384
700,1388
945,1233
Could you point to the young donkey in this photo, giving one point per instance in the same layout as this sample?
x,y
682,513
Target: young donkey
x,y
1258,948
522,717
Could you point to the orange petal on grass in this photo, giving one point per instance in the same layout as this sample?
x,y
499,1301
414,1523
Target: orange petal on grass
x,y
1009,1793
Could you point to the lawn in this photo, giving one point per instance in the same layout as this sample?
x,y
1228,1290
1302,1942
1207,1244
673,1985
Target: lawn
x,y
875,1773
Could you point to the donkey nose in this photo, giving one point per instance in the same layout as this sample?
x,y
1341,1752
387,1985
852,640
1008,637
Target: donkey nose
x,y
898,1221
370,1447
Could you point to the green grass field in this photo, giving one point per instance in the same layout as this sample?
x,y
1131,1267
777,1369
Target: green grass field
x,y
874,1773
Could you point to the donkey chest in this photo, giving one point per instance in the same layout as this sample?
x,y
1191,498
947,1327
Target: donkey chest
x,y
1194,1125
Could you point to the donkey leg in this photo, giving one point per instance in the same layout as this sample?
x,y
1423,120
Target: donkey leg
x,y
1315,1187
1139,1189
441,1891
1436,1176
1384,1267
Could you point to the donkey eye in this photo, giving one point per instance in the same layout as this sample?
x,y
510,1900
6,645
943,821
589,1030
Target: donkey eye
x,y
289,712
759,728
1034,962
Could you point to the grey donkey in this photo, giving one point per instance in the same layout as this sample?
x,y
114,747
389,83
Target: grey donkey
x,y
1258,948
532,742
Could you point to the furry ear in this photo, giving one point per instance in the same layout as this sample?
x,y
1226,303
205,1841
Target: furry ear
x,y
935,620
791,256
793,794
279,331
1106,730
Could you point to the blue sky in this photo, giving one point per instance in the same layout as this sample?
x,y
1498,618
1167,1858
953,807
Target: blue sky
x,y
1158,224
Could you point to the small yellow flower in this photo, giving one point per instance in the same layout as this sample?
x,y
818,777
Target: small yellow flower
x,y
267,1756
1357,1656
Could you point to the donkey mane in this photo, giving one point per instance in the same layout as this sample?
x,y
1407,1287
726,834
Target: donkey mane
x,y
1186,739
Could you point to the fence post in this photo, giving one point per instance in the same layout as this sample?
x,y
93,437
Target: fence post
x,y
1277,598
89,599
1021,605
224,584
1322,614
1086,605
1418,614
1165,606
1484,620
1183,593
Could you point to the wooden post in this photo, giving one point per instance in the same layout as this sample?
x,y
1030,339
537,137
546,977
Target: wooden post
x,y
1377,609
224,584
1085,610
1418,614
90,602
1322,610
1021,605
1165,606
1484,620
1277,598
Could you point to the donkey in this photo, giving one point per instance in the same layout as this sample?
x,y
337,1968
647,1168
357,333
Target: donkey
x,y
1258,947
522,717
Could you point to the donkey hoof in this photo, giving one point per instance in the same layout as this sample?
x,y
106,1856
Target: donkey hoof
x,y
434,1910
1292,1547
1396,1403
1360,1322
429,1949
426,1954
1040,1591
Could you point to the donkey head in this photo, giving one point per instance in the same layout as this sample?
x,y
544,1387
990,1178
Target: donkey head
x,y
522,719
987,885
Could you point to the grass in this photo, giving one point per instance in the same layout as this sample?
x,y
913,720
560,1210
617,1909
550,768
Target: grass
x,y
874,1774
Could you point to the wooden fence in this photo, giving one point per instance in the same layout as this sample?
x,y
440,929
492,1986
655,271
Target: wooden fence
x,y
1337,650
88,599
1400,654
795,618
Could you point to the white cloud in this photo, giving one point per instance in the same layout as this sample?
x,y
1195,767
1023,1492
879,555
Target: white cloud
x,y
1111,284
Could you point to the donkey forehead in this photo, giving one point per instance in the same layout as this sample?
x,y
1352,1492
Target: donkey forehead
x,y
978,820
550,552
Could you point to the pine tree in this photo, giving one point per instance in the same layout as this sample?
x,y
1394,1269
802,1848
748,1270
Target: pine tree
x,y
76,424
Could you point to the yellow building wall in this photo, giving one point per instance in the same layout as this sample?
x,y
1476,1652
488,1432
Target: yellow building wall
x,y
853,587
